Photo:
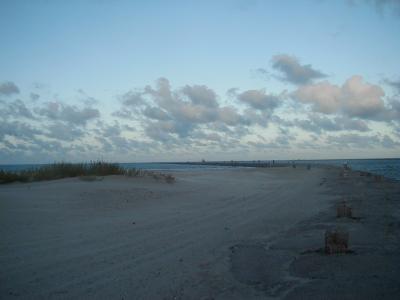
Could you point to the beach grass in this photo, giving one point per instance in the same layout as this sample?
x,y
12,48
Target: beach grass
x,y
62,170
88,171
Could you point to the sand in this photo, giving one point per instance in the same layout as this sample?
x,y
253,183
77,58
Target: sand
x,y
220,234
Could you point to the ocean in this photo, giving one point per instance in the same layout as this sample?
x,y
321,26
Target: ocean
x,y
389,168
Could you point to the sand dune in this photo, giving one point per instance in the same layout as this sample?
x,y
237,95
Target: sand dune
x,y
221,234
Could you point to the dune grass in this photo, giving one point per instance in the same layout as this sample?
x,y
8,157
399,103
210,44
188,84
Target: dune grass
x,y
62,170
86,171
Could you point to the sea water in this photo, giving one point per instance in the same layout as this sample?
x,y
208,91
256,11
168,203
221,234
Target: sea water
x,y
389,168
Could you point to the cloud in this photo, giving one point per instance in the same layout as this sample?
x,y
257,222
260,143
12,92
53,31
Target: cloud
x,y
280,142
201,95
111,139
383,5
8,88
34,96
15,109
353,140
124,113
293,72
388,142
111,130
193,113
232,92
86,99
68,113
124,145
18,129
394,5
316,123
395,84
64,132
361,141
165,131
132,98
260,73
354,98
162,122
166,114
230,116
392,112
259,99
156,113
352,124
133,102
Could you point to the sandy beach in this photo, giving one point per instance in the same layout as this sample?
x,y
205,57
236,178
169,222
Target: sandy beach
x,y
221,234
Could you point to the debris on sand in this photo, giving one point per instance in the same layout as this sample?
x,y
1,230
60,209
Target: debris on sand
x,y
343,210
336,241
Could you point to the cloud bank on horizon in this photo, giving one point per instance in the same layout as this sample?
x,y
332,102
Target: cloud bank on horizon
x,y
302,104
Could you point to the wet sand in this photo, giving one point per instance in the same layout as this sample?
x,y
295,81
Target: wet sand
x,y
220,234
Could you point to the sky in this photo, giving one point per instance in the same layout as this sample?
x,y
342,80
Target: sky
x,y
140,81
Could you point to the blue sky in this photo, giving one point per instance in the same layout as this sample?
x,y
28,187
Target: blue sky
x,y
307,79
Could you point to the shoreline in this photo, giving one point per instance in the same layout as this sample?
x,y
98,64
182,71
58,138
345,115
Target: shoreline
x,y
229,234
